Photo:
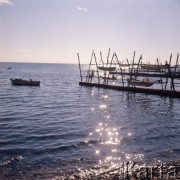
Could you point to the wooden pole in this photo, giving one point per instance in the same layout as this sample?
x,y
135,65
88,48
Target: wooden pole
x,y
120,69
97,67
79,66
132,64
112,59
137,69
108,56
160,73
88,72
170,73
122,77
129,68
101,58
117,60
110,66
177,62
167,76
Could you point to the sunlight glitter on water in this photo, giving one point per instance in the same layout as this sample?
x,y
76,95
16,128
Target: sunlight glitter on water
x,y
102,106
111,138
105,96
129,134
97,151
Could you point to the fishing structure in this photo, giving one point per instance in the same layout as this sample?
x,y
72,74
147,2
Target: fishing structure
x,y
158,78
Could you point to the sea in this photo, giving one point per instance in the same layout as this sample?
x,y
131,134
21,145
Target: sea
x,y
60,128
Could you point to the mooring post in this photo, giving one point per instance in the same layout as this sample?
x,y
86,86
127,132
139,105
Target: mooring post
x,y
129,67
160,74
133,62
122,76
108,56
101,58
170,73
88,72
137,69
129,70
120,69
117,60
167,65
97,67
110,66
79,66
177,62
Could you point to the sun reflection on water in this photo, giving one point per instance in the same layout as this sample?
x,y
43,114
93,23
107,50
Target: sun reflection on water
x,y
97,151
111,139
105,97
103,106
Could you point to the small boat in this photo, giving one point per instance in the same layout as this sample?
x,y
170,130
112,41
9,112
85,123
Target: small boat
x,y
25,82
109,78
153,67
104,68
143,82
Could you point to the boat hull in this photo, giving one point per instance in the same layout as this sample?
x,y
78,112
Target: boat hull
x,y
134,82
102,68
22,82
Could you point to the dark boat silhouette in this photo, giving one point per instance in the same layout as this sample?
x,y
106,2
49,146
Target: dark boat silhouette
x,y
135,82
25,82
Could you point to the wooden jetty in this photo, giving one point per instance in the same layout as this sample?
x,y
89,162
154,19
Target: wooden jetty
x,y
157,79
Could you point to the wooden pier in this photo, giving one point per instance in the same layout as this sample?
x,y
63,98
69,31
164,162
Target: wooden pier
x,y
158,79
134,89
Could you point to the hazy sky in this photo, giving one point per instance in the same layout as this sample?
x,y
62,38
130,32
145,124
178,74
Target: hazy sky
x,y
55,30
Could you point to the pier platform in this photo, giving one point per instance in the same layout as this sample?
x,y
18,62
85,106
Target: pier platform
x,y
169,93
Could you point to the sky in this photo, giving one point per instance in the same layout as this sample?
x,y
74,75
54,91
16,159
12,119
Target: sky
x,y
54,31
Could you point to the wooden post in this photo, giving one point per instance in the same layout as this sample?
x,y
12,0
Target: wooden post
x,y
177,60
122,76
97,67
167,65
120,69
108,56
101,58
137,69
79,67
168,74
88,72
171,75
132,64
160,73
129,67
112,59
110,66
117,59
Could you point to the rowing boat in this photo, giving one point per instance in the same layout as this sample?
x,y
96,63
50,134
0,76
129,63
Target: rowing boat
x,y
25,82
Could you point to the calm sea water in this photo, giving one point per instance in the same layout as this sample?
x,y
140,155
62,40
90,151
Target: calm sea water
x,y
62,126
